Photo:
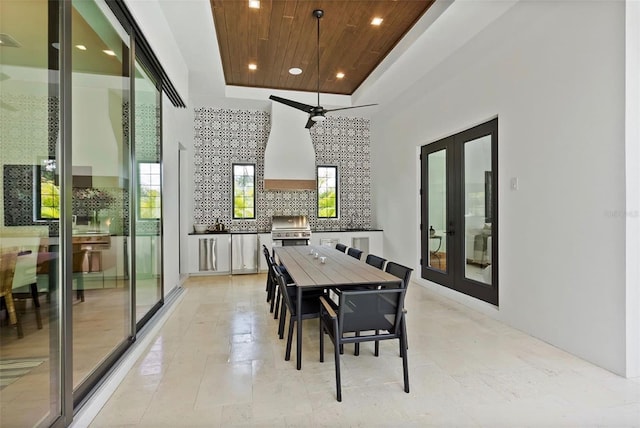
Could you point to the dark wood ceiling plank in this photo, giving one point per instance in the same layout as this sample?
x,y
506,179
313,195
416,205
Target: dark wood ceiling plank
x,y
282,34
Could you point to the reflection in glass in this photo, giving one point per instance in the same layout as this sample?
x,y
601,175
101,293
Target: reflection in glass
x,y
437,215
100,196
30,390
148,155
477,209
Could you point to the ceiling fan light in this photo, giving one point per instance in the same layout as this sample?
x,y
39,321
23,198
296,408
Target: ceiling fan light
x,y
318,118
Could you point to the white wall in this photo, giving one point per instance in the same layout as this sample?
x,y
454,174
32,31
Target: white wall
x,y
633,186
553,73
177,128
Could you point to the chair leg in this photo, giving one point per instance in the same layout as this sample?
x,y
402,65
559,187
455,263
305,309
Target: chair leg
x,y
376,348
405,362
336,352
283,317
277,300
356,352
404,347
321,341
292,320
36,304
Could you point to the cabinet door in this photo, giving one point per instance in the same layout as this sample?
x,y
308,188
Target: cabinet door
x,y
224,253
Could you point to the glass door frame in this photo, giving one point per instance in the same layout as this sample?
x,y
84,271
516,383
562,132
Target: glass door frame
x,y
454,275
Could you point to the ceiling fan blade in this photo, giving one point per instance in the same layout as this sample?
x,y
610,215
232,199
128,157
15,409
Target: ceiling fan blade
x,y
310,123
347,108
300,106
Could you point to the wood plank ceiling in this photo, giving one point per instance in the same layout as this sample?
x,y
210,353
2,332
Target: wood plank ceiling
x,y
282,34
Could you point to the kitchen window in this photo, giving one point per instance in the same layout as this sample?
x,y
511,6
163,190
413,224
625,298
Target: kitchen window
x,y
149,195
327,192
244,196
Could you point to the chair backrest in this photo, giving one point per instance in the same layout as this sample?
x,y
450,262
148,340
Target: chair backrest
x,y
375,261
377,309
354,252
402,272
341,247
285,291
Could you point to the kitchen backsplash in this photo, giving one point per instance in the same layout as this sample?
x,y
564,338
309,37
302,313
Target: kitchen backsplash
x,y
226,136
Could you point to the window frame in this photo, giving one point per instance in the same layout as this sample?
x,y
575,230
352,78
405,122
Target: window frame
x,y
139,191
233,191
337,192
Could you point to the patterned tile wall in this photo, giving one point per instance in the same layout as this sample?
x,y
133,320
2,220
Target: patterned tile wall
x,y
225,136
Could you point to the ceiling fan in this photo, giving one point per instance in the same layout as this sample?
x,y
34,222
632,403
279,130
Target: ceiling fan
x,y
316,113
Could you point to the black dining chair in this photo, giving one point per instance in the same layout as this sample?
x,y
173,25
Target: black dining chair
x,y
375,261
404,273
354,252
341,247
377,310
310,307
270,286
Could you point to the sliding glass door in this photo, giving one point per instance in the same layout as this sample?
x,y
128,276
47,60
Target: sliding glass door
x,y
100,155
459,212
30,292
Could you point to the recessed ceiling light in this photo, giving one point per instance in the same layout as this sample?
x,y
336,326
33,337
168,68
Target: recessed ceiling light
x,y
254,4
253,67
109,52
376,21
295,71
81,47
340,75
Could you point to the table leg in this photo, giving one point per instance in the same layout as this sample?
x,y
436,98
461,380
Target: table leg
x,y
299,329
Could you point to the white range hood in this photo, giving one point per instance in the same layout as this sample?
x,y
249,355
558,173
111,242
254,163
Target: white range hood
x,y
289,157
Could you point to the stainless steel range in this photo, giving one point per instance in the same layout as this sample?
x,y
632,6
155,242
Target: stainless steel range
x,y
290,230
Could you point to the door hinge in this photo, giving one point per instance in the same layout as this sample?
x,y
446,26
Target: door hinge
x,y
420,262
420,226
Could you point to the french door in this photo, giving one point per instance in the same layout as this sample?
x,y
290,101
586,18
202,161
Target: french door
x,y
459,215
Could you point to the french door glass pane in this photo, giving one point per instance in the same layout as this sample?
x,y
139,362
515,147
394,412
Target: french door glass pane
x,y
437,215
101,164
477,209
30,386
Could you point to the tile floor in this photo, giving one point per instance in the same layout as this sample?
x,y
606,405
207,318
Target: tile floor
x,y
217,362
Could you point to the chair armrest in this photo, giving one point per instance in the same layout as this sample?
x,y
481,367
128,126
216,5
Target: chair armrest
x,y
327,307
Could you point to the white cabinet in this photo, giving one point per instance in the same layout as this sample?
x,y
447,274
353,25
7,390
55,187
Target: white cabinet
x,y
244,253
209,254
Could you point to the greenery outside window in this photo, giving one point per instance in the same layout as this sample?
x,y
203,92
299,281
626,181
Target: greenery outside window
x,y
244,184
327,192
149,195
48,191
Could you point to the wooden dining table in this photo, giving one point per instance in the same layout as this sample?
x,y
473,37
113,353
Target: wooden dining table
x,y
339,270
